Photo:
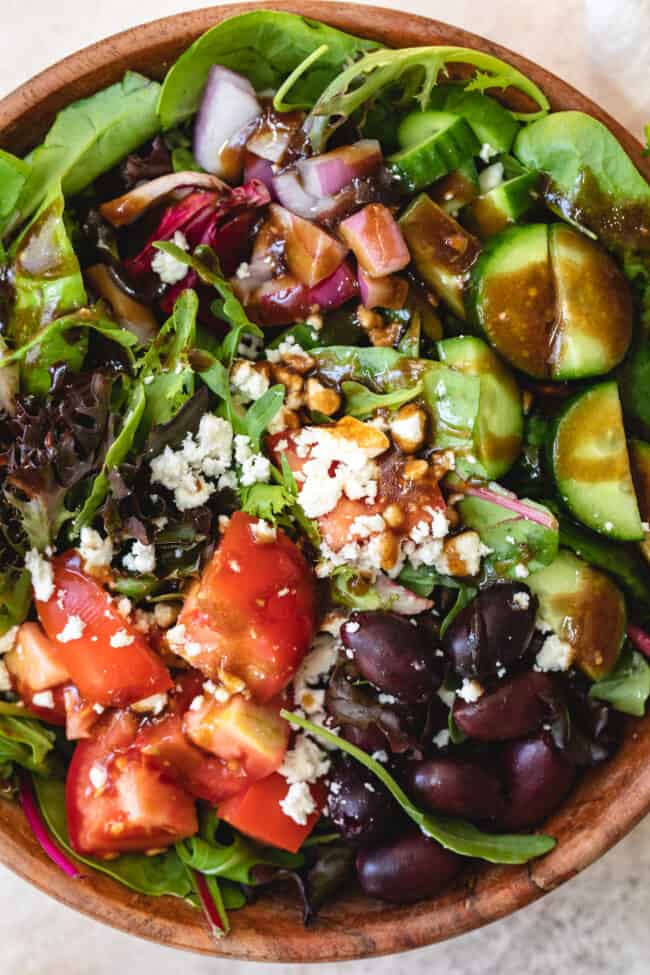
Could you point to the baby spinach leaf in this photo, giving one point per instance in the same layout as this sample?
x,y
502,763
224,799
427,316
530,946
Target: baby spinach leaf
x,y
454,834
15,597
265,46
415,72
13,175
89,137
454,398
154,875
361,401
25,742
627,688
620,560
515,541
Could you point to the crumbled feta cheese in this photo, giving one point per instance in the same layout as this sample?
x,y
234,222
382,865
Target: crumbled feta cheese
x,y
305,762
521,571
73,630
141,558
487,151
310,700
387,699
288,347
8,640
165,615
369,787
96,552
98,776
255,470
263,532
250,346
317,663
247,382
446,696
408,429
43,699
168,268
521,600
380,756
183,471
352,626
470,691
461,555
197,703
155,704
490,177
243,271
441,740
42,575
556,654
98,708
124,607
121,639
298,804
234,566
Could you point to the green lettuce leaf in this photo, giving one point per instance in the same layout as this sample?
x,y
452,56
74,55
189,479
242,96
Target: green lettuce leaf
x,y
266,46
15,597
454,834
13,176
627,688
25,742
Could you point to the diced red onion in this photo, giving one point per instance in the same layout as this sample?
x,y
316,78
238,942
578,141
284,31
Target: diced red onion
x,y
270,142
388,292
335,290
402,600
128,208
512,503
311,254
376,240
639,638
326,174
228,105
261,169
284,300
292,195
40,830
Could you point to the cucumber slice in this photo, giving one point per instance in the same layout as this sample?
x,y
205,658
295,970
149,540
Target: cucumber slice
x,y
442,251
594,305
492,124
510,296
450,143
639,452
584,608
590,464
552,302
498,431
492,212
457,189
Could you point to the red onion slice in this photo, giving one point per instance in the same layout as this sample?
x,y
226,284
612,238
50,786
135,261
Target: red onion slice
x,y
388,292
376,240
228,105
325,175
639,638
40,830
402,600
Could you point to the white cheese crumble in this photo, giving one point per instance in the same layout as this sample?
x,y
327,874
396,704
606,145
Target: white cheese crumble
x,y
73,630
470,691
298,804
43,699
380,756
250,346
521,571
155,704
141,558
441,740
121,639
408,429
124,607
98,776
184,471
168,268
96,552
288,347
42,575
490,177
521,600
487,151
317,664
255,468
247,382
264,532
305,762
8,640
556,654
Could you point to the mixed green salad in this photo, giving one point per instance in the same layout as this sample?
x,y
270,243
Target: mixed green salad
x,y
325,467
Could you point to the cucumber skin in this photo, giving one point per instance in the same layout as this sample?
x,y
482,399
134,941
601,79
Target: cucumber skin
x,y
489,120
614,535
429,160
504,205
417,127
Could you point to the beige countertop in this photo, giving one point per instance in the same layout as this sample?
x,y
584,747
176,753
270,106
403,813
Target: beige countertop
x,y
598,923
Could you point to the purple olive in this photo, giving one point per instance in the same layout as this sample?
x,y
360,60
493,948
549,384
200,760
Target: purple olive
x,y
457,788
537,779
369,739
514,709
409,869
392,654
360,807
493,630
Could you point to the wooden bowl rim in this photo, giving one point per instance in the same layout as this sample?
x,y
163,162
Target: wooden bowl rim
x,y
607,803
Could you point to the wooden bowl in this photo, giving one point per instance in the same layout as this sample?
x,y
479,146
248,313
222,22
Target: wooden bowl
x,y
607,803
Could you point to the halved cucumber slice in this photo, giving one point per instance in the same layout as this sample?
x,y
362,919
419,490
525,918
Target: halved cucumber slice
x,y
492,124
584,608
552,302
455,190
449,143
590,464
442,251
493,211
594,306
639,452
498,431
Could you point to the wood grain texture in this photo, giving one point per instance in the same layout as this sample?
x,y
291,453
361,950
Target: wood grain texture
x,y
607,803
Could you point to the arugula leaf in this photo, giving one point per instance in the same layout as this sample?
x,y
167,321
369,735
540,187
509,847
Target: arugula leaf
x,y
88,138
454,834
627,688
25,742
13,175
265,46
47,285
415,71
261,413
360,401
116,453
513,539
156,875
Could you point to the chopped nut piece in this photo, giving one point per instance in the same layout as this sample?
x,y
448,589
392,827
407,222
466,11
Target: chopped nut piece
x,y
322,398
442,461
394,516
408,428
415,470
461,554
293,383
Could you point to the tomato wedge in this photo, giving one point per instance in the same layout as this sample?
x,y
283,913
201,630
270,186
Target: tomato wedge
x,y
257,812
118,800
109,661
253,614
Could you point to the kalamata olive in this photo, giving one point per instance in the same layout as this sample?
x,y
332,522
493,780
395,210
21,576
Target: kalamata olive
x,y
493,630
392,654
360,807
409,869
514,709
457,788
537,778
369,739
